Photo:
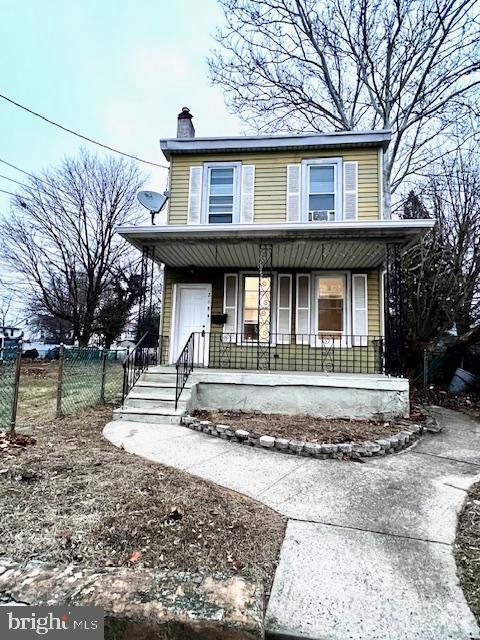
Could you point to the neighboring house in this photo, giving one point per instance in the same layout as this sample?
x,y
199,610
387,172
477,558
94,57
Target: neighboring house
x,y
10,336
127,337
277,253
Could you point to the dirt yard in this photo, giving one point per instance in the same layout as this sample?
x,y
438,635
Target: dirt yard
x,y
469,403
73,497
467,550
303,427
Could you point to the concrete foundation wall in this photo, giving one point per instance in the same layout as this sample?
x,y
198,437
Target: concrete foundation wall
x,y
360,397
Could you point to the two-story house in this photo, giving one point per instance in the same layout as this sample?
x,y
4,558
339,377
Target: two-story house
x,y
277,253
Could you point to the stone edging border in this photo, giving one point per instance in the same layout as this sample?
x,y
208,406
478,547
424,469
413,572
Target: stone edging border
x,y
391,444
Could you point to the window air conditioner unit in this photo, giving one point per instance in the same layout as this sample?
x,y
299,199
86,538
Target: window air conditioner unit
x,y
322,216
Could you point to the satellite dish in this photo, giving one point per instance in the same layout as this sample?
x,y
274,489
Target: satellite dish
x,y
152,200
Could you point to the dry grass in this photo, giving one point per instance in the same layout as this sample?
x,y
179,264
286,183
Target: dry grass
x,y
74,497
303,427
467,550
37,394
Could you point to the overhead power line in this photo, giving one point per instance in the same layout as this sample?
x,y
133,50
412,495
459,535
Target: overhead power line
x,y
79,135
12,180
35,178
9,164
15,195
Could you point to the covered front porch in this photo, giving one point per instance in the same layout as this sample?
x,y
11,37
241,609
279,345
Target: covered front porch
x,y
322,297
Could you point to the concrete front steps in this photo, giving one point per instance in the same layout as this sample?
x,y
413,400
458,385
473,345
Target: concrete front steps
x,y
152,399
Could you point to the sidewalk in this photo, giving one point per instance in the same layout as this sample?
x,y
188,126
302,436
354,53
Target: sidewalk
x,y
367,553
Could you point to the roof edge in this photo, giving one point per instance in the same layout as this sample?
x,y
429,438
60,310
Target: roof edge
x,y
377,138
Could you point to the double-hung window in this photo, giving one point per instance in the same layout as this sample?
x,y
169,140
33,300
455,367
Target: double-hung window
x,y
256,306
221,194
331,305
322,188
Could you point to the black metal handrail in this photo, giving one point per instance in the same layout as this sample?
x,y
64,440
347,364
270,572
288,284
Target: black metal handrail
x,y
332,353
184,366
149,350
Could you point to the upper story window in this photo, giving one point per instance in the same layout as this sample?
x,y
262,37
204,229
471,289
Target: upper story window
x,y
221,196
322,190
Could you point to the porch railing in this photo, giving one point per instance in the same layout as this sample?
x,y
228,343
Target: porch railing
x,y
150,350
185,364
283,352
291,352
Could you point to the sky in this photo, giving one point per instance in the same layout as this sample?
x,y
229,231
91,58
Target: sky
x,y
116,71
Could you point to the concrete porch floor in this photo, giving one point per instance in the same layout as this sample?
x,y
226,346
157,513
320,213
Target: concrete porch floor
x,y
368,548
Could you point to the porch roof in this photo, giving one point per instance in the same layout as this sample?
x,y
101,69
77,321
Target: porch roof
x,y
324,245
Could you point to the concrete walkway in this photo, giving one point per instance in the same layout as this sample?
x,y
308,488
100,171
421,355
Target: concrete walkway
x,y
368,548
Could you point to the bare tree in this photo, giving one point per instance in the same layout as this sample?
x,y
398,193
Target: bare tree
x,y
61,236
8,312
116,305
442,273
406,65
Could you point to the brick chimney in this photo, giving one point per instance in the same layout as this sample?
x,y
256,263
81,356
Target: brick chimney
x,y
185,128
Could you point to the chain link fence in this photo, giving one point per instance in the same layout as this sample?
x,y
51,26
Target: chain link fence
x,y
9,377
88,376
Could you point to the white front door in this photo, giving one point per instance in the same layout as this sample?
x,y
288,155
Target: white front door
x,y
191,313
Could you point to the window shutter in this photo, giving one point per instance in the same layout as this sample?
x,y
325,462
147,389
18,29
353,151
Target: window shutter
x,y
359,309
293,192
302,314
350,190
247,193
230,300
195,195
284,308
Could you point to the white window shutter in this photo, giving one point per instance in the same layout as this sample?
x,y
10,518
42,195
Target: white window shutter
x,y
302,312
293,192
284,308
247,193
230,303
359,309
350,190
195,195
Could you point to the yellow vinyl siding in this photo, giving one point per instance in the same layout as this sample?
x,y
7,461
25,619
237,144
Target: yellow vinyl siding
x,y
271,180
373,292
215,278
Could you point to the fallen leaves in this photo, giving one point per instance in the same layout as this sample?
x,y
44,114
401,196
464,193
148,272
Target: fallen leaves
x,y
134,557
14,440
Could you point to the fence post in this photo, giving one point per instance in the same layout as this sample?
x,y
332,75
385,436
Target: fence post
x,y
61,358
16,385
104,373
425,369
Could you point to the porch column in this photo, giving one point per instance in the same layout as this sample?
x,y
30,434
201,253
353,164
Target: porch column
x,y
145,302
264,306
393,311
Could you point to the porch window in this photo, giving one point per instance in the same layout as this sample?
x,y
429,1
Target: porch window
x,y
253,306
221,194
330,305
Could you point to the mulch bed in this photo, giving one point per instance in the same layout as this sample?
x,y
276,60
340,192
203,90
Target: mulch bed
x,y
304,427
467,550
74,497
